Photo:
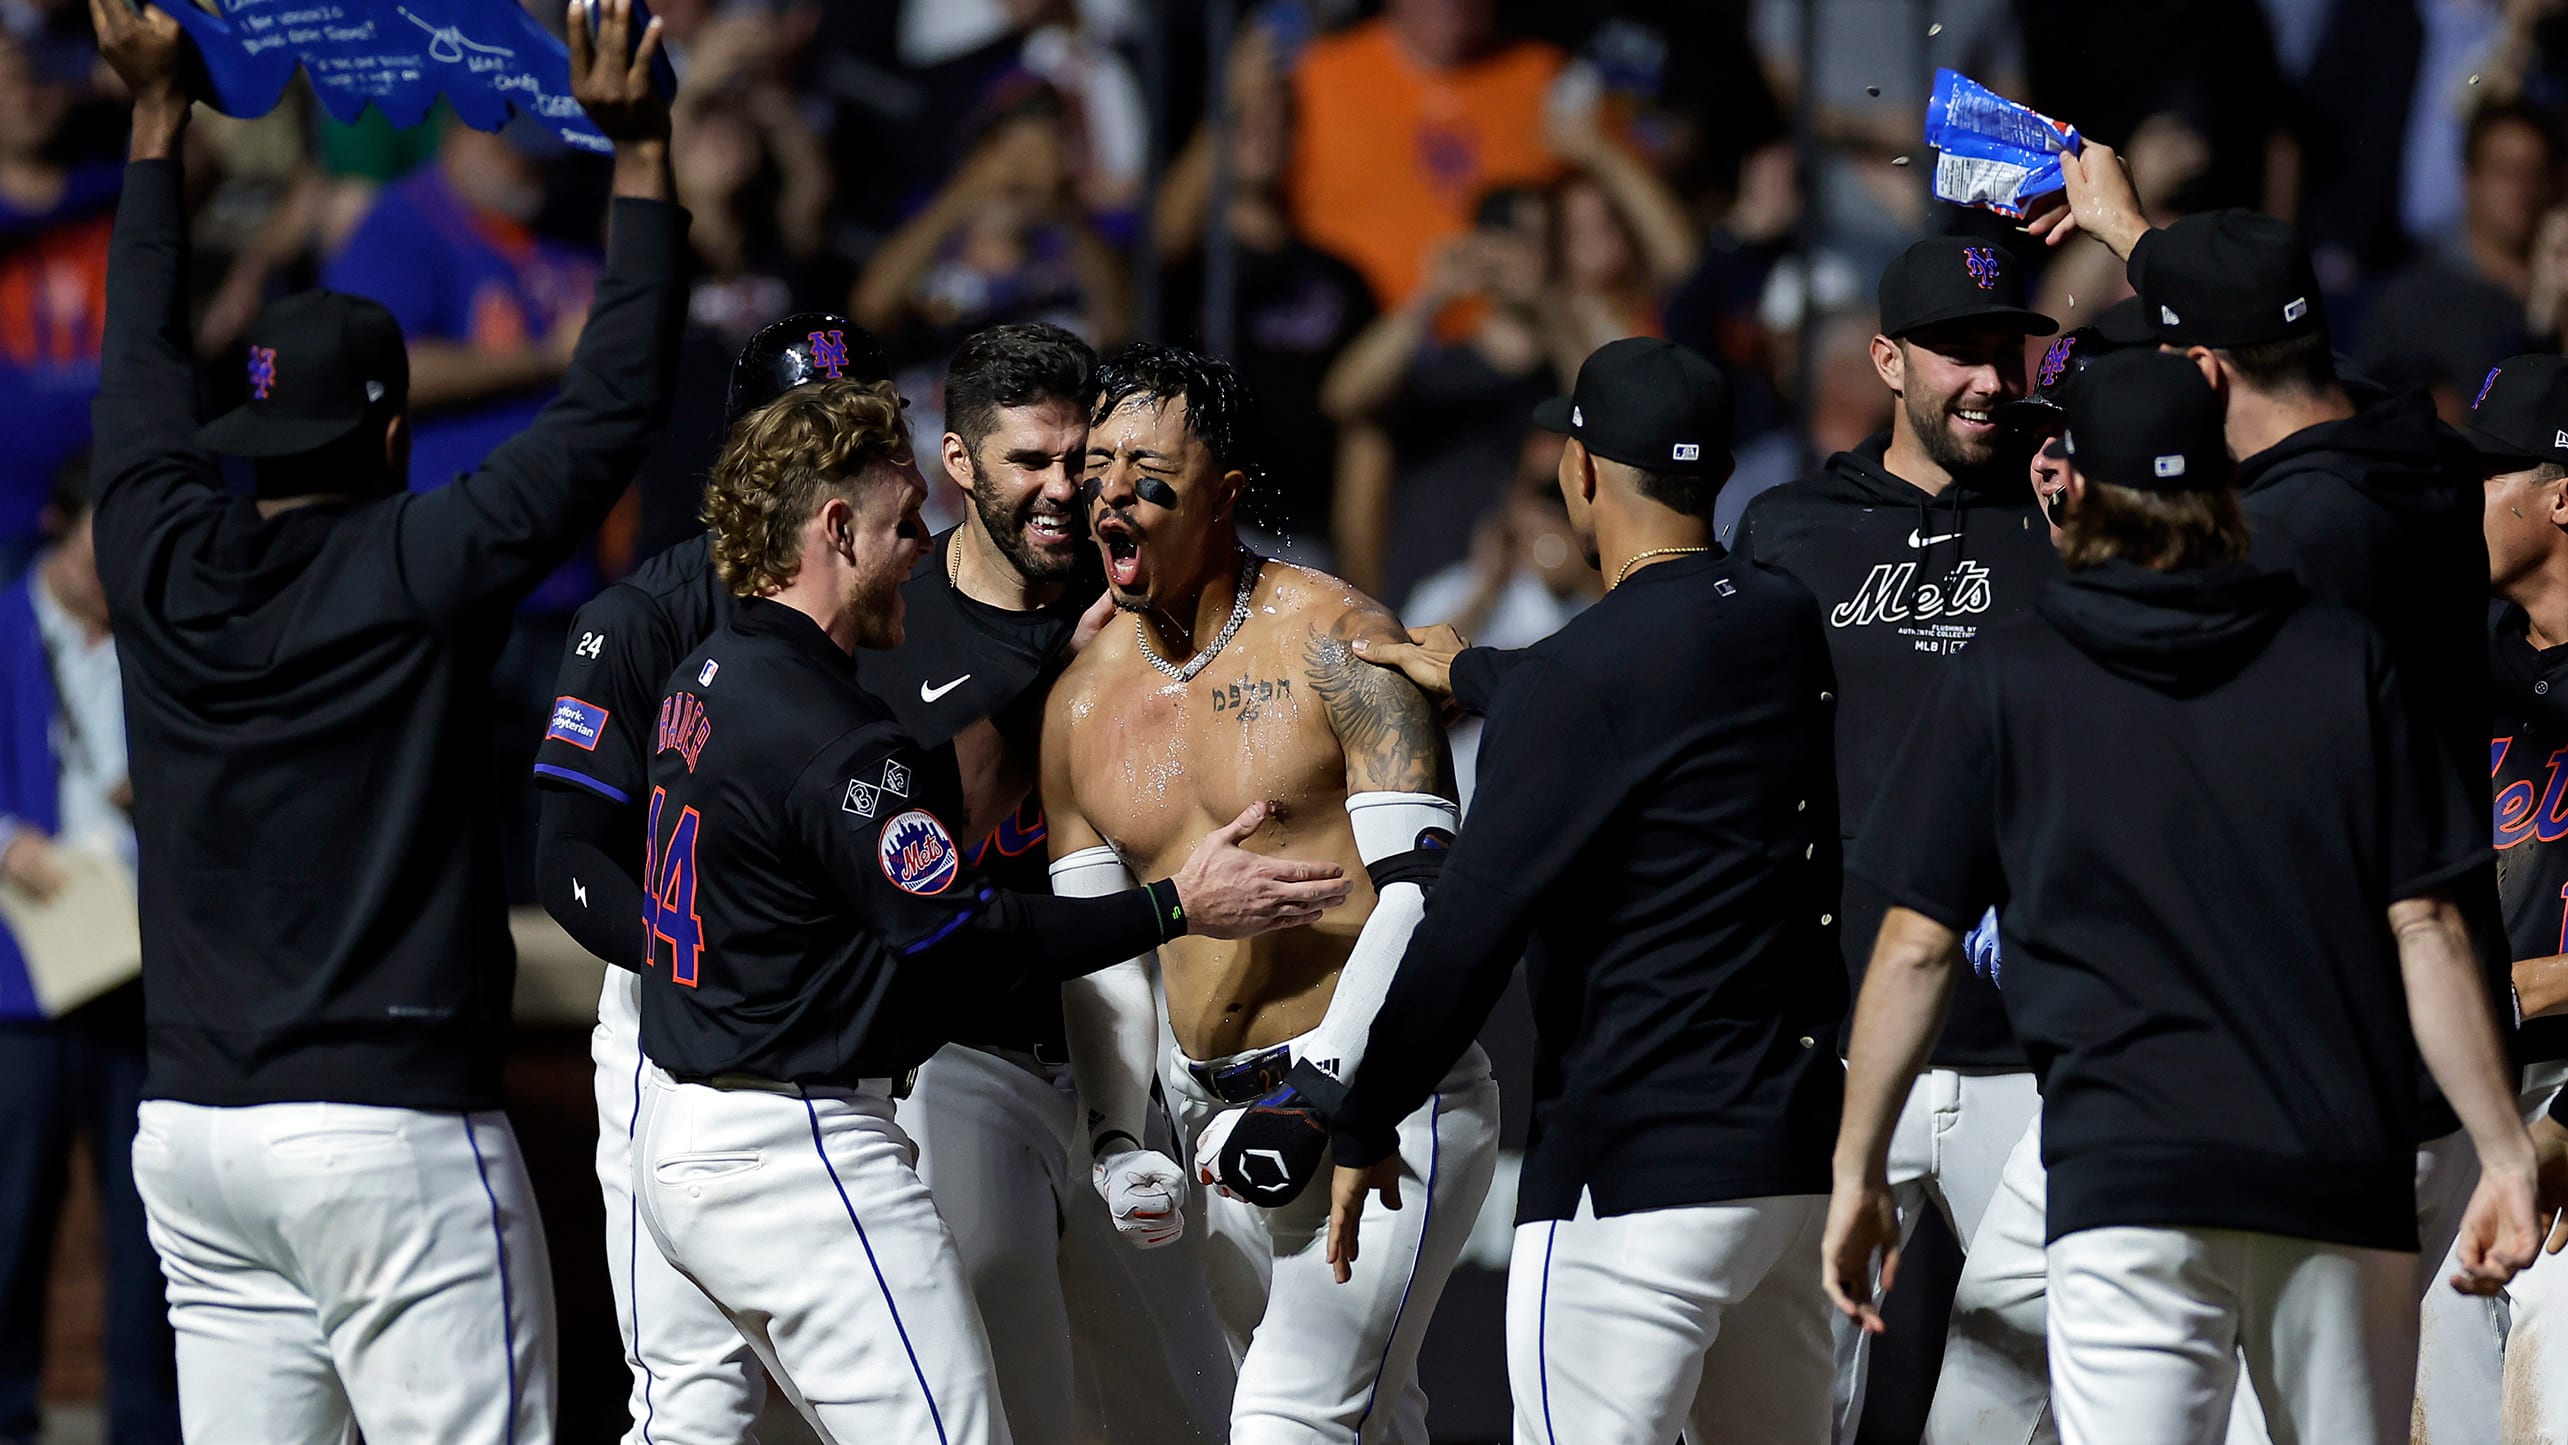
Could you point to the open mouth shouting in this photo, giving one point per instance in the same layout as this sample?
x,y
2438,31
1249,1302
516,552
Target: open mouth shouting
x,y
1121,541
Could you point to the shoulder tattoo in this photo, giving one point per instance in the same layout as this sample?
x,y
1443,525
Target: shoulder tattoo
x,y
1383,722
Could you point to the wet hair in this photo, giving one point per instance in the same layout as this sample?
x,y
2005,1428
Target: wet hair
x,y
1219,412
1020,364
2157,530
786,460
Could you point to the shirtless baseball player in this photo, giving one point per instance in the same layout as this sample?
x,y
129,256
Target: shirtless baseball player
x,y
1233,680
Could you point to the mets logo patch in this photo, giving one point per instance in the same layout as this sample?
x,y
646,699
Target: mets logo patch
x,y
2486,386
576,722
829,352
917,854
262,371
1983,263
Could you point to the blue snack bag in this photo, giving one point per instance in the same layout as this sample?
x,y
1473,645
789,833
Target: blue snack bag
x,y
1992,152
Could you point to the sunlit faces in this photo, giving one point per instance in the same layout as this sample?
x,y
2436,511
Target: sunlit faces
x,y
1023,480
2523,518
881,536
1159,507
1949,380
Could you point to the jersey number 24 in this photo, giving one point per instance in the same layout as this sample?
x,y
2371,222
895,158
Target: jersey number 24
x,y
669,893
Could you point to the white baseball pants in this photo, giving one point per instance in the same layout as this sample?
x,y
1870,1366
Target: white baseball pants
x,y
801,1216
1710,1321
1324,1363
1947,1150
2149,1328
695,1380
341,1267
1092,1338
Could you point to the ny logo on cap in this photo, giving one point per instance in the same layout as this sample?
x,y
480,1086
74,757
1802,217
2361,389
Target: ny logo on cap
x,y
2055,361
829,352
2486,385
1983,263
262,371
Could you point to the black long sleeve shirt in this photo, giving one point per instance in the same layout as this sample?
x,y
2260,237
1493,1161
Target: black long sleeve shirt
x,y
306,699
1657,815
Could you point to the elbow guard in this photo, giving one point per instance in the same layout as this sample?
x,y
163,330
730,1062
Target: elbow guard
x,y
1402,837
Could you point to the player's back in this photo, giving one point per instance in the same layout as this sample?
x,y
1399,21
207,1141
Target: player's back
x,y
1156,763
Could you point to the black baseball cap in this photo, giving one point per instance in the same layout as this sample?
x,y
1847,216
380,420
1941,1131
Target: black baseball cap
x,y
2226,278
2146,420
2065,363
1646,403
321,363
806,346
2521,414
1952,278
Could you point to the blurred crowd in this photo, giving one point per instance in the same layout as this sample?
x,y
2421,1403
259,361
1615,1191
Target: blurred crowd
x,y
1403,219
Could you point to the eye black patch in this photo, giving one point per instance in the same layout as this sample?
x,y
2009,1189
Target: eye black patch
x,y
1156,492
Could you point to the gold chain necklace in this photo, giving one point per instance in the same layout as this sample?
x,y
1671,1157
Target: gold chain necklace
x,y
1640,557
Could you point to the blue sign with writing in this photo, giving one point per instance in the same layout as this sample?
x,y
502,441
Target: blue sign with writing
x,y
488,59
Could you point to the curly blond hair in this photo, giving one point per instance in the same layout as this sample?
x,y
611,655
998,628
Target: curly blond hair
x,y
783,462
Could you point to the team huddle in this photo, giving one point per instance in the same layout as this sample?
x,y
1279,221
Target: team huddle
x,y
1047,955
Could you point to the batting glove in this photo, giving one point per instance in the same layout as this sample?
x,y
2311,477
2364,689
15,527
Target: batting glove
x,y
1146,1194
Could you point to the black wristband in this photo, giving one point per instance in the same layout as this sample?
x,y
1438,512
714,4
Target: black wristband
x,y
1164,906
1097,1146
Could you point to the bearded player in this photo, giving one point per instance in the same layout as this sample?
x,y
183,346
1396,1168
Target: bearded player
x,y
1231,678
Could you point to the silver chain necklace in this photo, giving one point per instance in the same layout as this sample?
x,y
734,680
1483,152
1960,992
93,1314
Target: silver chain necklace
x,y
1185,672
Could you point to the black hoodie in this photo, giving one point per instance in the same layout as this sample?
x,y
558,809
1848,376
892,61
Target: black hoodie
x,y
1904,581
2192,799
308,703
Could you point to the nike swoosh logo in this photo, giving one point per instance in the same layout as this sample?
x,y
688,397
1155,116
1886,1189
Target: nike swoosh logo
x,y
1916,541
931,694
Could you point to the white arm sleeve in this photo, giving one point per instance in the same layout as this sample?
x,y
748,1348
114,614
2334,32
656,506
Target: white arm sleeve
x,y
1110,1017
1386,825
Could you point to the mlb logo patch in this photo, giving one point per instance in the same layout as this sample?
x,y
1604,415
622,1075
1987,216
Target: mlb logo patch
x,y
917,854
576,722
705,678
1687,451
862,798
2172,465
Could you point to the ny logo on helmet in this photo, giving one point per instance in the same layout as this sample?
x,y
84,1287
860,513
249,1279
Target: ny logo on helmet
x,y
829,352
1983,263
262,371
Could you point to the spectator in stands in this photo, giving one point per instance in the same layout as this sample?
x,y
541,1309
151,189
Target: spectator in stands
x,y
1004,240
1621,240
54,219
62,783
1294,306
1402,123
1452,410
2486,293
491,308
1524,579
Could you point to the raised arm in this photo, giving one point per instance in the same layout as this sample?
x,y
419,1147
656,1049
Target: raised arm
x,y
489,538
146,458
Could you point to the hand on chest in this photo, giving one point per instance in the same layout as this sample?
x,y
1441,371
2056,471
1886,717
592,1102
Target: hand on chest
x,y
1169,760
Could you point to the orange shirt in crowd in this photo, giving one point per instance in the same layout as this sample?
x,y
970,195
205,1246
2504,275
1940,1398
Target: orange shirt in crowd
x,y
1389,157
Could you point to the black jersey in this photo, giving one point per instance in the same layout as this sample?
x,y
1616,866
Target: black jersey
x,y
2528,769
811,917
960,662
623,645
